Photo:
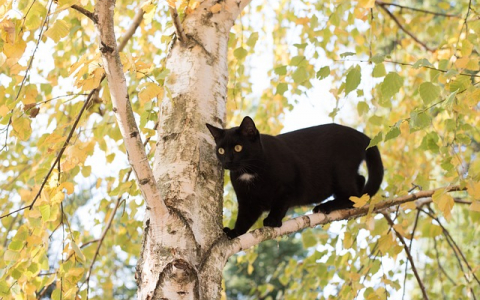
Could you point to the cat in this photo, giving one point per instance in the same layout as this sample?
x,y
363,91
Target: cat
x,y
306,166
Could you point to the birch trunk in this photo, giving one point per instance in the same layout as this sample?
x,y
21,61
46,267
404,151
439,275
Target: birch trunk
x,y
179,260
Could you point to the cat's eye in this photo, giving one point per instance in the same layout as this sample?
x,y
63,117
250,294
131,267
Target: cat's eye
x,y
221,150
238,148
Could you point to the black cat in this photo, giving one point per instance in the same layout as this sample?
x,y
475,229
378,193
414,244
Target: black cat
x,y
274,173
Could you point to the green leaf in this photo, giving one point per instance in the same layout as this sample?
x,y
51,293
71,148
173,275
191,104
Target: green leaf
x,y
308,239
22,128
377,58
16,245
379,71
377,139
345,54
392,133
45,211
421,63
252,40
240,53
300,75
323,72
362,108
297,60
280,70
429,92
353,79
391,85
282,87
300,46
419,120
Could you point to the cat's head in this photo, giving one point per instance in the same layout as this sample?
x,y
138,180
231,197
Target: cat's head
x,y
237,148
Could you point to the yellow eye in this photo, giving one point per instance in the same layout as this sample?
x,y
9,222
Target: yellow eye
x,y
221,150
238,148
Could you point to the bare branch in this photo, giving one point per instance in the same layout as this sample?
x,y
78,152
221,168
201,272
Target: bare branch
x,y
257,236
182,37
123,109
417,9
137,20
86,12
382,5
409,256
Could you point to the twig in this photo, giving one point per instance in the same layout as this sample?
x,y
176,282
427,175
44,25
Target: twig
x,y
100,242
409,256
86,12
392,16
182,37
136,21
34,51
454,246
418,9
410,247
57,160
438,262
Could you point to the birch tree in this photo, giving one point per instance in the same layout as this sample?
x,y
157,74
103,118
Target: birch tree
x,y
107,83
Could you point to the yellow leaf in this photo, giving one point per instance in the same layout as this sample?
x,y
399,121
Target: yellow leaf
x,y
250,269
152,90
216,8
58,198
445,204
359,202
99,182
14,51
462,63
68,186
22,128
58,31
3,111
366,3
475,206
171,3
474,189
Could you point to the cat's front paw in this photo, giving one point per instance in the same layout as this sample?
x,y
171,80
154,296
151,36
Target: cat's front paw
x,y
271,222
231,233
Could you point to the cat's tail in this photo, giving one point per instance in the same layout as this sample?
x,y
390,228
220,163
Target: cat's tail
x,y
375,171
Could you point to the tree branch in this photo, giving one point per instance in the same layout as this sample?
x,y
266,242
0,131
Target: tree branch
x,y
417,9
409,255
86,12
382,5
257,236
123,109
137,20
182,37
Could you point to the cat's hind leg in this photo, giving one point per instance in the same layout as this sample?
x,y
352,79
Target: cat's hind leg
x,y
349,186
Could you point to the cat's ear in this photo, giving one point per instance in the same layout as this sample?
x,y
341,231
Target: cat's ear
x,y
216,132
248,129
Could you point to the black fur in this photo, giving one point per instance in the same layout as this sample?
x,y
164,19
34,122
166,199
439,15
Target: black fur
x,y
296,168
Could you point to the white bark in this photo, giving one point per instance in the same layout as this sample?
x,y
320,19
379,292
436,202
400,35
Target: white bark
x,y
178,260
137,157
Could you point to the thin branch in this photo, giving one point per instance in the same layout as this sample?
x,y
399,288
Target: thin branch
x,y
382,5
59,155
136,21
24,80
418,9
86,12
182,37
100,242
409,256
453,244
410,248
439,264
257,236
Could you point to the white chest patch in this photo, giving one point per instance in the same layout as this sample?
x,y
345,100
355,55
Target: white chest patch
x,y
246,177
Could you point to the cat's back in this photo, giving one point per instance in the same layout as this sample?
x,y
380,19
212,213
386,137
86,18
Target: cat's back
x,y
327,136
